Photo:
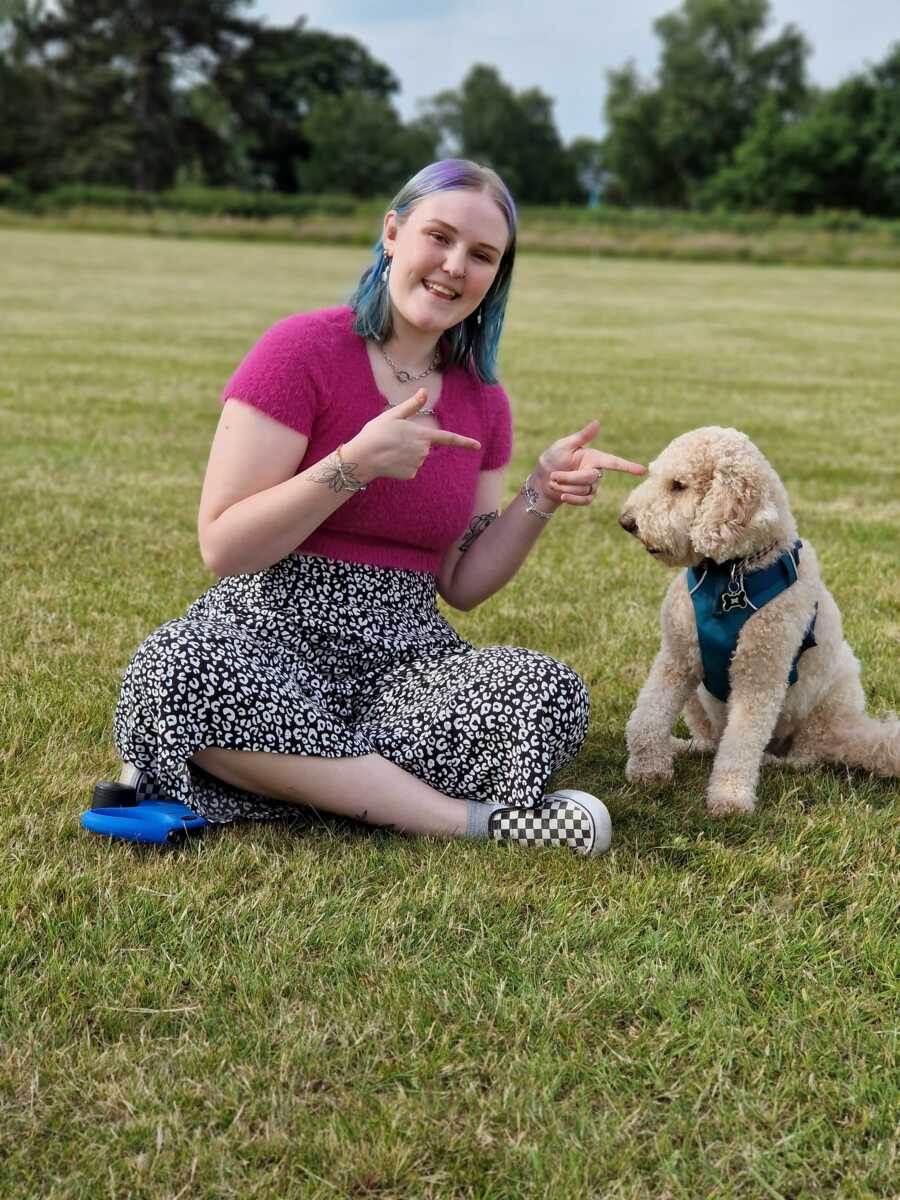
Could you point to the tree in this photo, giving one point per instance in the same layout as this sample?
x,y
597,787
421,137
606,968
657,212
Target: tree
x,y
842,151
26,96
512,132
881,177
144,93
797,165
666,138
359,145
633,148
116,66
272,82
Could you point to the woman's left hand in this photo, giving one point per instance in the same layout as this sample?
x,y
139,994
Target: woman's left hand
x,y
569,471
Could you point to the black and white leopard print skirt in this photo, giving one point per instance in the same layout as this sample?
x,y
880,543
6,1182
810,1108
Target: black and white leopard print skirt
x,y
319,657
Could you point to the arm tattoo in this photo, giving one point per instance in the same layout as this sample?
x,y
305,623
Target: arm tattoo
x,y
477,527
337,474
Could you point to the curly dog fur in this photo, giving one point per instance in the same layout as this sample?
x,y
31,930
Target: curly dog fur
x,y
712,495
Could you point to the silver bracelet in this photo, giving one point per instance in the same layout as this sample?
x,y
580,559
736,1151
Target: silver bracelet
x,y
531,497
348,482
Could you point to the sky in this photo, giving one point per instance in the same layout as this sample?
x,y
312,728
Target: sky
x,y
565,47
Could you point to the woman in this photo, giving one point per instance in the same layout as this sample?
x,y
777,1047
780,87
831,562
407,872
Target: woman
x,y
318,671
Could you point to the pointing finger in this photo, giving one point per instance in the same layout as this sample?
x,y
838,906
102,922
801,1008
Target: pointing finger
x,y
443,437
609,462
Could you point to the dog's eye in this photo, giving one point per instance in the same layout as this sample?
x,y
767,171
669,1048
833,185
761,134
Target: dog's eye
x,y
676,485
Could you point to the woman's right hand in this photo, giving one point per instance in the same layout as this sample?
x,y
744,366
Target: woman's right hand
x,y
394,445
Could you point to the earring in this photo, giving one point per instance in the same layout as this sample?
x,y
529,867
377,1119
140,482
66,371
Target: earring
x,y
478,317
386,272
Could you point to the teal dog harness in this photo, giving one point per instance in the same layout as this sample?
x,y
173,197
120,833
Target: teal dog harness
x,y
725,600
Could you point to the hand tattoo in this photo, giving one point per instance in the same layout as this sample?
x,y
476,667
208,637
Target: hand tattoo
x,y
338,475
477,527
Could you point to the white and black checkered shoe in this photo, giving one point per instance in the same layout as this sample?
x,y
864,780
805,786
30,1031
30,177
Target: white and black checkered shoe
x,y
145,786
569,818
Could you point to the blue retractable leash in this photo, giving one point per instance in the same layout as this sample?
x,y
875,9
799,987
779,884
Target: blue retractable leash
x,y
116,812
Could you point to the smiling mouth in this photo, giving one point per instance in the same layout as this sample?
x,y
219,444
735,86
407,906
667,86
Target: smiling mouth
x,y
437,289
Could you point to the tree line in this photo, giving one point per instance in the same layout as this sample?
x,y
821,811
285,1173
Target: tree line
x,y
731,120
152,94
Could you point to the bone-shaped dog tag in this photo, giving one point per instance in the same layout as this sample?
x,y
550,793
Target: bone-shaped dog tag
x,y
734,597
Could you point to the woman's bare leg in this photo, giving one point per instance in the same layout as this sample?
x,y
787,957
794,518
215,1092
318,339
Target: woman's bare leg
x,y
369,788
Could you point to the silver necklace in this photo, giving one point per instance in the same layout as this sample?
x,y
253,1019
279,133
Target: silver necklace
x,y
405,377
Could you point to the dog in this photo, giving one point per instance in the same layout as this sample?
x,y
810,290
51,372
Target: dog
x,y
753,652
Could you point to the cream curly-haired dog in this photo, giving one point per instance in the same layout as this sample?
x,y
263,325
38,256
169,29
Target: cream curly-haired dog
x,y
749,614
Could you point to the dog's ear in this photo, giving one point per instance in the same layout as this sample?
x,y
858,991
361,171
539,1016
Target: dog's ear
x,y
721,524
765,522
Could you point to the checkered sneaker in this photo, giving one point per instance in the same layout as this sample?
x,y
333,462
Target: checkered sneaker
x,y
146,788
568,818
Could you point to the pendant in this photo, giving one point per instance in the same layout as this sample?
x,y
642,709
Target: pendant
x,y
403,377
734,597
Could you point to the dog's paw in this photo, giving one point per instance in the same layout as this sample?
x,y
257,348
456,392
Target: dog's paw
x,y
730,801
645,769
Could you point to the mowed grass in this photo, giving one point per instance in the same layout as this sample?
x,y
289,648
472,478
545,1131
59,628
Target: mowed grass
x,y
318,1009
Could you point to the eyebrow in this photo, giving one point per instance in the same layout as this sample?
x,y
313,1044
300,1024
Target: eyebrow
x,y
453,229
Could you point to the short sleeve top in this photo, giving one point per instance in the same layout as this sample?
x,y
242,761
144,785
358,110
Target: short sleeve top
x,y
312,373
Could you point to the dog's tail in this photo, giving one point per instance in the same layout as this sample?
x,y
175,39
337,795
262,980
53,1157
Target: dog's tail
x,y
867,742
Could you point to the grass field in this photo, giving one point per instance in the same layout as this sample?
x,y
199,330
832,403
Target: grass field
x,y
708,1011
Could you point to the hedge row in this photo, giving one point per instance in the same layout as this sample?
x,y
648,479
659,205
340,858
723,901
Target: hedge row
x,y
226,202
212,202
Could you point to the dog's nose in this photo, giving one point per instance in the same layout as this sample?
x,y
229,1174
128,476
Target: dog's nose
x,y
628,523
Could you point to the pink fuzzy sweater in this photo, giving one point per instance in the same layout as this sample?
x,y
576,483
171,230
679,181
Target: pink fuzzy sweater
x,y
311,372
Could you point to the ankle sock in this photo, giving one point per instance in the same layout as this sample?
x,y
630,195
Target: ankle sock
x,y
478,818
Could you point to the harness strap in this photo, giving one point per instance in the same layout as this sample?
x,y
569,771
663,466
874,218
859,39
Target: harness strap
x,y
721,610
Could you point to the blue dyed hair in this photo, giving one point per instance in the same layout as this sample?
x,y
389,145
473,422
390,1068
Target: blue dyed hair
x,y
467,343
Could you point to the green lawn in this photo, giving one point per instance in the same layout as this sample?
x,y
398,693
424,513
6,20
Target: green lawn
x,y
708,1011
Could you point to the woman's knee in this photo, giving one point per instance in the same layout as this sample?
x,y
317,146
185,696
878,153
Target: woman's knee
x,y
534,681
173,657
544,672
